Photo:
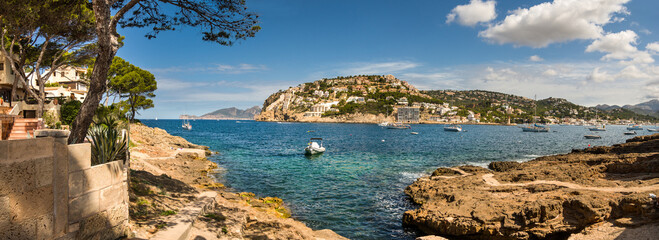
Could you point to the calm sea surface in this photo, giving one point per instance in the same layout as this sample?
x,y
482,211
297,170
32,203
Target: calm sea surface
x,y
356,187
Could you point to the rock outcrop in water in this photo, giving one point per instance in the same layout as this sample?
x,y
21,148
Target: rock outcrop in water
x,y
593,191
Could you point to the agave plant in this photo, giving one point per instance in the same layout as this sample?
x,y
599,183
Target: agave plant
x,y
108,144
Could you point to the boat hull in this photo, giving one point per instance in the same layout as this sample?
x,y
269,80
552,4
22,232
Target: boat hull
x,y
592,137
634,128
531,129
653,130
452,130
313,151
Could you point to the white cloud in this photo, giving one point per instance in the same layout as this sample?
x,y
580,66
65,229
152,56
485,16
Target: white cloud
x,y
558,21
653,47
473,13
240,68
550,72
599,77
620,46
217,68
535,58
377,68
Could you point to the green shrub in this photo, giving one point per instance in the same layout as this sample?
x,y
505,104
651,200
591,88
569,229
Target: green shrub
x,y
167,213
69,111
108,144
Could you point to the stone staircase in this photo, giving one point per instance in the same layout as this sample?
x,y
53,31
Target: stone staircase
x,y
23,126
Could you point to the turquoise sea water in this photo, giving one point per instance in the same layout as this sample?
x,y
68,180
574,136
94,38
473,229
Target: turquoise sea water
x,y
356,187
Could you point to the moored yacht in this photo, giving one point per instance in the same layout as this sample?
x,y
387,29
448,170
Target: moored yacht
x,y
453,128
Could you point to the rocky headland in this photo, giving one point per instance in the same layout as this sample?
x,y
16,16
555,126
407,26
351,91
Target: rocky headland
x,y
594,193
170,176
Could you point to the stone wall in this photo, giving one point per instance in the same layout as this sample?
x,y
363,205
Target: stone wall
x,y
49,190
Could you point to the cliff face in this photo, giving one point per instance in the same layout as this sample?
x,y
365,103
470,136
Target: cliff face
x,y
546,198
369,99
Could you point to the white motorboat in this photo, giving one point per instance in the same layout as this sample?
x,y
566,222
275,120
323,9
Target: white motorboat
x,y
653,129
398,126
315,146
630,133
592,137
414,133
597,128
186,124
453,128
632,127
384,124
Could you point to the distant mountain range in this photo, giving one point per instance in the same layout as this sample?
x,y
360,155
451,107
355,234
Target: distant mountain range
x,y
228,113
650,108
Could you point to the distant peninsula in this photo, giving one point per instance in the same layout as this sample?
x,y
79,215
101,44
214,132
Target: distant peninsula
x,y
231,113
385,98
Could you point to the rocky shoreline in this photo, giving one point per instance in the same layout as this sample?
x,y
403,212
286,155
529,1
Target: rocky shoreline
x,y
594,193
169,173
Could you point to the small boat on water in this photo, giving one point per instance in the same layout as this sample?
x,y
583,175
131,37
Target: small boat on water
x,y
414,133
630,133
592,137
653,129
315,146
453,128
398,126
597,128
632,127
535,128
186,124
384,124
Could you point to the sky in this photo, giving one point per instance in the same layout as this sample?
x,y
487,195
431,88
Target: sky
x,y
586,51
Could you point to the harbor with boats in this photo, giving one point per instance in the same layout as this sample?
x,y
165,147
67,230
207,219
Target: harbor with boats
x,y
356,185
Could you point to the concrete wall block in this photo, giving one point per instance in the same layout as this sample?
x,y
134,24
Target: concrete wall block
x,y
80,156
17,177
21,230
116,170
111,196
74,227
76,184
45,227
31,204
92,225
97,177
83,206
4,151
5,211
124,186
28,149
44,171
118,215
61,188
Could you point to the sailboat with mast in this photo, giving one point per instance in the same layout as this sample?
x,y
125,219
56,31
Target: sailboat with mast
x,y
597,127
535,127
186,124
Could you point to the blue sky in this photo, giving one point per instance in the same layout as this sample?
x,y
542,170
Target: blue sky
x,y
587,51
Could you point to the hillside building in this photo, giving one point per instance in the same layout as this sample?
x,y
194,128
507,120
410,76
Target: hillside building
x,y
408,114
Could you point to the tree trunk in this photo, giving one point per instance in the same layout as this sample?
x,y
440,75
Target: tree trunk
x,y
107,48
